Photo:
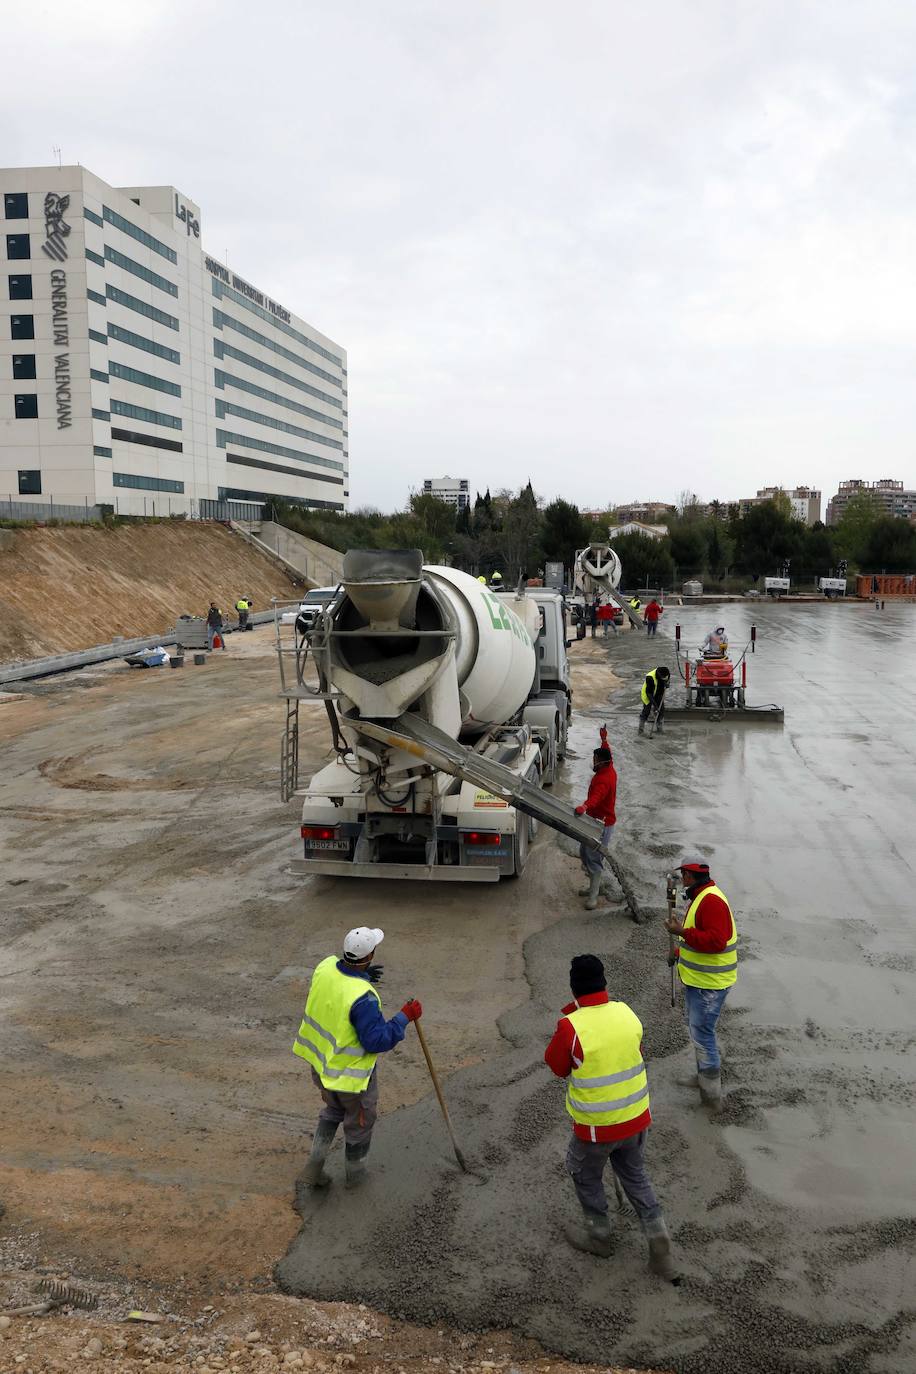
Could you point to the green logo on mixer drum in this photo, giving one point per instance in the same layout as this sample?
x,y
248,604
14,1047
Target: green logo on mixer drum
x,y
503,619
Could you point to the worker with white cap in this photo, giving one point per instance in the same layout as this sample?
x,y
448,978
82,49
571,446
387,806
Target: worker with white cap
x,y
341,1035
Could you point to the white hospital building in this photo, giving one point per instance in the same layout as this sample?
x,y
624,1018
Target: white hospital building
x,y
140,373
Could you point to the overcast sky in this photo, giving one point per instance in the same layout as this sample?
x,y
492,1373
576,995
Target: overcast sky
x,y
621,249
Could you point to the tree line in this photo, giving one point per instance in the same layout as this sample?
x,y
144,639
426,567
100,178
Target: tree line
x,y
515,532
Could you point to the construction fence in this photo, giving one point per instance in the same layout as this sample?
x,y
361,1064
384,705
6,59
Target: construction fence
x,y
158,506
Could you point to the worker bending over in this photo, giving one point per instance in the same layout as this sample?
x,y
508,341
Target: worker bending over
x,y
341,1035
653,698
600,804
243,606
635,604
707,964
597,1048
715,645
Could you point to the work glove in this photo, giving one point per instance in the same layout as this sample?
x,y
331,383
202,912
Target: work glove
x,y
672,960
580,810
412,1009
374,972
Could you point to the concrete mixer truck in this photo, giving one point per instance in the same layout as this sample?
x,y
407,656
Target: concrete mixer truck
x,y
448,705
597,572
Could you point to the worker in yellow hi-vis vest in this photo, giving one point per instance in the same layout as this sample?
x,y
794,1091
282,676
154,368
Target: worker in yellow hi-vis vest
x,y
707,963
341,1035
597,1048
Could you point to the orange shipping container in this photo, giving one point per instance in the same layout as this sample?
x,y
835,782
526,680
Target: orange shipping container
x,y
886,584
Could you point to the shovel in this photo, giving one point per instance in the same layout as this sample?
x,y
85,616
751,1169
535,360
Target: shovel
x,y
435,1077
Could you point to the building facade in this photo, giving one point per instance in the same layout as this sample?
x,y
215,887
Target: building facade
x,y
138,372
452,490
891,496
645,512
805,502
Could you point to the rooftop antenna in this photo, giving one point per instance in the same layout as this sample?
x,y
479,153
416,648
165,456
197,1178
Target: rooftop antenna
x,y
56,151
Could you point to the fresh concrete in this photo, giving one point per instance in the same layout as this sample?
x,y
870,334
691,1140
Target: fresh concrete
x,y
794,1213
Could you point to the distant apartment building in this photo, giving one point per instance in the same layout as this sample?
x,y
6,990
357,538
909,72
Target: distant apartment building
x,y
805,502
646,512
890,495
452,490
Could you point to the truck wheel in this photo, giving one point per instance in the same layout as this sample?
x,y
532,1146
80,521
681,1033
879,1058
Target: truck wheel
x,y
520,848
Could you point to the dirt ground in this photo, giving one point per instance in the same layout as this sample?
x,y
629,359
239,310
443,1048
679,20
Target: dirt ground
x,y
70,588
154,965
155,958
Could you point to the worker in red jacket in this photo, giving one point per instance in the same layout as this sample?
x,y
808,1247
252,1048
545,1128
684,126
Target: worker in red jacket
x,y
605,617
707,963
600,804
650,615
597,1048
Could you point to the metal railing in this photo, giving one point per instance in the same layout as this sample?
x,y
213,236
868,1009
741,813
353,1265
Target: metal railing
x,y
11,508
158,507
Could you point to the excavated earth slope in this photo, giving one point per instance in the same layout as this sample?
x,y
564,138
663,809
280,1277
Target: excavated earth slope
x,y
66,588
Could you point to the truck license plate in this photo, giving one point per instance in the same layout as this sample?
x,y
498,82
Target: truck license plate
x,y
328,844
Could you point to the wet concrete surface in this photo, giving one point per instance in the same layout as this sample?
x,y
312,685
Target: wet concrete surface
x,y
794,1213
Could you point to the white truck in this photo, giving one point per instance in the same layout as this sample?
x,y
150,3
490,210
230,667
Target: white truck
x,y
597,572
449,706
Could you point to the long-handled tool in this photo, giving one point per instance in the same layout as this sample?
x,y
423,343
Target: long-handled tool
x,y
435,1077
673,943
628,893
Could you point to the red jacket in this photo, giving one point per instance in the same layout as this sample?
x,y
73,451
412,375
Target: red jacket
x,y
602,795
605,612
564,1053
713,928
653,611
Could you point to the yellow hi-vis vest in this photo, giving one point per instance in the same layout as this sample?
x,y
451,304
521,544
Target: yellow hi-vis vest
x,y
653,678
708,970
327,1038
243,605
610,1085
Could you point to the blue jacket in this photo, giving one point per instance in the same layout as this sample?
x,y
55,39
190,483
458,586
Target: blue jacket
x,y
376,1035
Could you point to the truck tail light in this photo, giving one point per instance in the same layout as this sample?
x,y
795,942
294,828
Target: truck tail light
x,y
318,832
489,837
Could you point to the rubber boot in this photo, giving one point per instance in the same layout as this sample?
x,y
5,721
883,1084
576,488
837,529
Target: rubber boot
x,y
659,727
660,1261
594,889
642,728
594,1237
606,889
313,1175
711,1089
355,1164
689,1080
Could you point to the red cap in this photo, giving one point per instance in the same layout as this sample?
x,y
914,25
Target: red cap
x,y
695,866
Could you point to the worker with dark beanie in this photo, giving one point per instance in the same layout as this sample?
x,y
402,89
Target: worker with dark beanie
x,y
597,1048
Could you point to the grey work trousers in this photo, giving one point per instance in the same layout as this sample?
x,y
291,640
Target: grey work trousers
x,y
585,1164
357,1111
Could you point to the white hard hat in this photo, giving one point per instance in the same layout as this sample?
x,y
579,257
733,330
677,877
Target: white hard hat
x,y
362,941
